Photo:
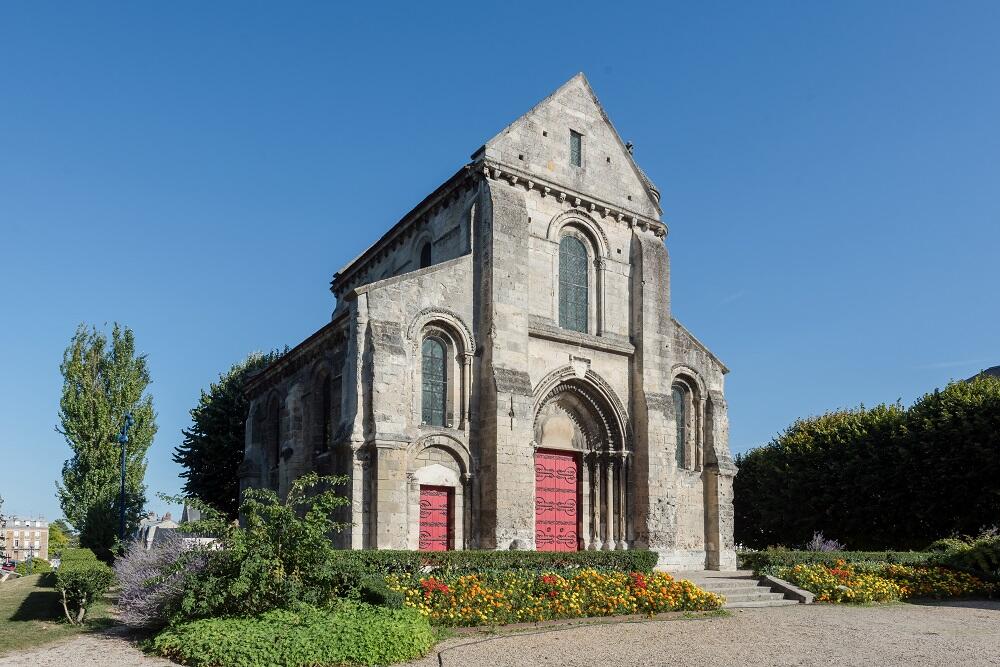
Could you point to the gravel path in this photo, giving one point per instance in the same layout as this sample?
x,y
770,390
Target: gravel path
x,y
105,649
956,633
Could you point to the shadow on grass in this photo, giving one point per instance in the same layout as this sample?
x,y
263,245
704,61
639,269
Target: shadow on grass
x,y
38,606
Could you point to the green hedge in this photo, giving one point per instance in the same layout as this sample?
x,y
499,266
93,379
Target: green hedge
x,y
409,562
352,633
759,560
81,580
981,558
38,566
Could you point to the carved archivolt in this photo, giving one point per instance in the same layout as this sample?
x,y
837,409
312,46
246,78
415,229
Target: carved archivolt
x,y
584,221
457,448
448,317
592,404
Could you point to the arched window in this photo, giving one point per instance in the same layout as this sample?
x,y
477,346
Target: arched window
x,y
681,416
572,284
434,382
425,255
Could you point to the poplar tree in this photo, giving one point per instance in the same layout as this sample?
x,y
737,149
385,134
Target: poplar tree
x,y
102,382
212,450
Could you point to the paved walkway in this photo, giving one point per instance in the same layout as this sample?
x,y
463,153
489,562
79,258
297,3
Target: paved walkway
x,y
956,633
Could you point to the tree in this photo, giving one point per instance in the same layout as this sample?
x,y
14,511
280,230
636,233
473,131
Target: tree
x,y
59,537
876,478
212,449
102,382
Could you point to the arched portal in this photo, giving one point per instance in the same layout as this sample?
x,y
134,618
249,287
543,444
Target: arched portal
x,y
581,469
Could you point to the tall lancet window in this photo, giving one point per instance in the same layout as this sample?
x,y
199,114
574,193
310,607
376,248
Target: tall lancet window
x,y
680,415
434,382
572,284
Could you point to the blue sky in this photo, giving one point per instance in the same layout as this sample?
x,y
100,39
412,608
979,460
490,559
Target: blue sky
x,y
829,172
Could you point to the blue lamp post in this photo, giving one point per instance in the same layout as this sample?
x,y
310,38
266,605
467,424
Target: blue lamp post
x,y
123,440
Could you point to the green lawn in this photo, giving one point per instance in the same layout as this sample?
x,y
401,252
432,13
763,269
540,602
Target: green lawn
x,y
31,614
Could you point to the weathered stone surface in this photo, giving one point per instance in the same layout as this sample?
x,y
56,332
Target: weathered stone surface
x,y
349,399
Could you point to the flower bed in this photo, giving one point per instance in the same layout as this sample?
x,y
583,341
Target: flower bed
x,y
520,596
844,582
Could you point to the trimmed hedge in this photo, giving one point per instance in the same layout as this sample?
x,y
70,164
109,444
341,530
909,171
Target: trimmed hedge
x,y
769,558
38,566
82,579
383,563
352,633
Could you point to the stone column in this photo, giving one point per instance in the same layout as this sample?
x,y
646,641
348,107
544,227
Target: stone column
x,y
600,266
594,527
466,390
609,482
622,501
467,491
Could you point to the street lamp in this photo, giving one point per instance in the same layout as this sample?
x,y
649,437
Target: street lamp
x,y
123,440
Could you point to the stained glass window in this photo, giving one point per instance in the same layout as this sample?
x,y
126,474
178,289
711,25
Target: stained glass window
x,y
572,284
434,381
575,148
680,414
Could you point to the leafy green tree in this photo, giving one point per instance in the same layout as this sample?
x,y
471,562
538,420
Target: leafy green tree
x,y
103,380
212,449
877,478
58,538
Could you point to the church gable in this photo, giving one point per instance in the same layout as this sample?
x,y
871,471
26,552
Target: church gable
x,y
567,139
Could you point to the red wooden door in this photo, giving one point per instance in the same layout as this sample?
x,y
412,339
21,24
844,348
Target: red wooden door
x,y
556,491
435,518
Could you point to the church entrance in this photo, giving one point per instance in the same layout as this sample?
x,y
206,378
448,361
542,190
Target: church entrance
x,y
557,490
436,503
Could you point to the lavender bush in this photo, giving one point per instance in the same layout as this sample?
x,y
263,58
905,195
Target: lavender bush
x,y
151,579
820,543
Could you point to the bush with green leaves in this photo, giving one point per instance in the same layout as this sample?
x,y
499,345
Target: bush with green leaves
x,y
348,633
37,566
980,557
886,477
279,557
81,580
764,562
386,562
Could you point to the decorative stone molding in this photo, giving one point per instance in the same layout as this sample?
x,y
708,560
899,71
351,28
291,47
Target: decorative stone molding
x,y
583,220
428,315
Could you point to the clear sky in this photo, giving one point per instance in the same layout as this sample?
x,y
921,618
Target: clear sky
x,y
830,175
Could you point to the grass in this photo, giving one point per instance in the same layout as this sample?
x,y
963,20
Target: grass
x,y
31,614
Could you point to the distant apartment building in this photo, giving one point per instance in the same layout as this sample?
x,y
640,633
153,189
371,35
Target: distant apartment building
x,y
24,538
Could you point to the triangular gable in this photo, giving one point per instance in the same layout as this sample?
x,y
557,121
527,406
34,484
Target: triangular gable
x,y
539,143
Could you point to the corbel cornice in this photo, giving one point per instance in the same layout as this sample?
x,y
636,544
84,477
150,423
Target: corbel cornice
x,y
517,178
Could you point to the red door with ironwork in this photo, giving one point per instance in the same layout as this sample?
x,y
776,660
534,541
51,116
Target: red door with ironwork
x,y
435,518
556,500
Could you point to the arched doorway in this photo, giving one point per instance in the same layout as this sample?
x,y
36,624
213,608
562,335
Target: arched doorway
x,y
581,469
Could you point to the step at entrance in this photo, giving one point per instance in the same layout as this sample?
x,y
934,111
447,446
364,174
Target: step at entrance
x,y
741,589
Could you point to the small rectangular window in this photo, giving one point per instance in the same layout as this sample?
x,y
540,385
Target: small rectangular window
x,y
575,148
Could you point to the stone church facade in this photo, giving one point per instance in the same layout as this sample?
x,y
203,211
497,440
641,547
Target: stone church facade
x,y
502,370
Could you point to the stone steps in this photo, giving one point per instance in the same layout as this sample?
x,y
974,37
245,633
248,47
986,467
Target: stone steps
x,y
740,590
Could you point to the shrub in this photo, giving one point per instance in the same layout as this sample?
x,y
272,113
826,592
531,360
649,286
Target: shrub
x,y
820,543
151,580
279,558
38,566
981,558
947,545
527,595
82,579
350,633
759,561
453,562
